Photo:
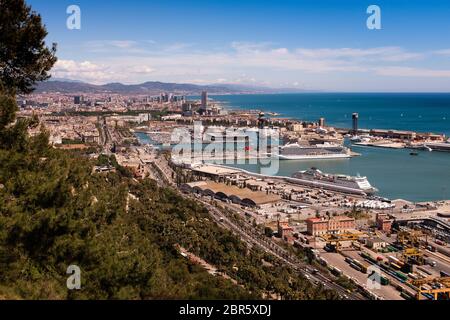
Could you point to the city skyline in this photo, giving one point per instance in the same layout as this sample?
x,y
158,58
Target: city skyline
x,y
284,45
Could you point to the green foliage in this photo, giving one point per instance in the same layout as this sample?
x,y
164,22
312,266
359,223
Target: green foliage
x,y
122,233
346,283
24,57
268,232
56,213
8,108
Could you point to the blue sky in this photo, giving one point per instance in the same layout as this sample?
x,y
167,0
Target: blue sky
x,y
320,45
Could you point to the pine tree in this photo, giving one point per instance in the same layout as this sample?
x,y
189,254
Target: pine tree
x,y
24,57
24,60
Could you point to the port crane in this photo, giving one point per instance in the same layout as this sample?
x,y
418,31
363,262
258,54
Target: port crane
x,y
414,254
410,240
442,282
335,240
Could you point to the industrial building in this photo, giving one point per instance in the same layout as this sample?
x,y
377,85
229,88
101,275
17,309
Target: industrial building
x,y
213,172
321,226
376,243
285,231
384,222
242,196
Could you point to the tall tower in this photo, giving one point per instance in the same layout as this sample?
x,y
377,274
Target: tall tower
x,y
355,117
78,100
262,121
321,122
204,99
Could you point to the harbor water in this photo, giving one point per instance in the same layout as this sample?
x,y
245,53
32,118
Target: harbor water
x,y
397,174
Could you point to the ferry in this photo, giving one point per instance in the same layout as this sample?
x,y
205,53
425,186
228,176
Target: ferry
x,y
337,182
321,151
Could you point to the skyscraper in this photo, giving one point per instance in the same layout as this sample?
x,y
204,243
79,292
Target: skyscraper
x,y
78,99
204,99
355,117
321,122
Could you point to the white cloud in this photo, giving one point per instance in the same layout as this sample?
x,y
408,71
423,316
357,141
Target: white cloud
x,y
123,44
377,54
98,73
85,70
242,62
412,72
443,52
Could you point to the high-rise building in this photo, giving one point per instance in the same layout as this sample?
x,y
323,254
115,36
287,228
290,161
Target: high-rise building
x,y
321,122
355,117
78,99
204,99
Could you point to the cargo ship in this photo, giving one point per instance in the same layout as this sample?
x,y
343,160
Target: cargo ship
x,y
320,151
337,182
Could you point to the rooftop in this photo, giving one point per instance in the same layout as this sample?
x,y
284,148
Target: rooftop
x,y
258,198
215,170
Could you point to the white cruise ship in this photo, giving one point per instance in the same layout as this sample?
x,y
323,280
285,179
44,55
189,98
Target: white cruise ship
x,y
320,151
337,182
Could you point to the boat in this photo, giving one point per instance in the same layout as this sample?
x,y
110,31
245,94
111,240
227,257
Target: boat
x,y
438,146
321,151
338,182
362,138
423,147
414,154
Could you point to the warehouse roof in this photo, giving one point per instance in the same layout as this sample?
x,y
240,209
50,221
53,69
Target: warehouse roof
x,y
243,194
215,170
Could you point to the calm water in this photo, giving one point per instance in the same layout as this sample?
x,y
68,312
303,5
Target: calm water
x,y
395,173
418,112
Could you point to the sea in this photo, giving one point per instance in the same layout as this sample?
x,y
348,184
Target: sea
x,y
396,173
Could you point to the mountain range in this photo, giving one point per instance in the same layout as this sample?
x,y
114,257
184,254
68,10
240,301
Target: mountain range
x,y
153,88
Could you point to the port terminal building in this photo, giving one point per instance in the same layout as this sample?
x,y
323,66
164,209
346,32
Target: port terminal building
x,y
223,192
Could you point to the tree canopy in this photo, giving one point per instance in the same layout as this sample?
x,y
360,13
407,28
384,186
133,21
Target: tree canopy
x,y
122,233
24,57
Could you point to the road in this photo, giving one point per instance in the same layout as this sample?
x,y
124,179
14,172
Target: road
x,y
106,139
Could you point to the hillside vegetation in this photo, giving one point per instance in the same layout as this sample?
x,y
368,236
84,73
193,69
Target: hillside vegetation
x,y
122,233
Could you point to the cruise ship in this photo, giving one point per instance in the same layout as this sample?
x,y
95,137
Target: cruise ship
x,y
337,182
320,151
